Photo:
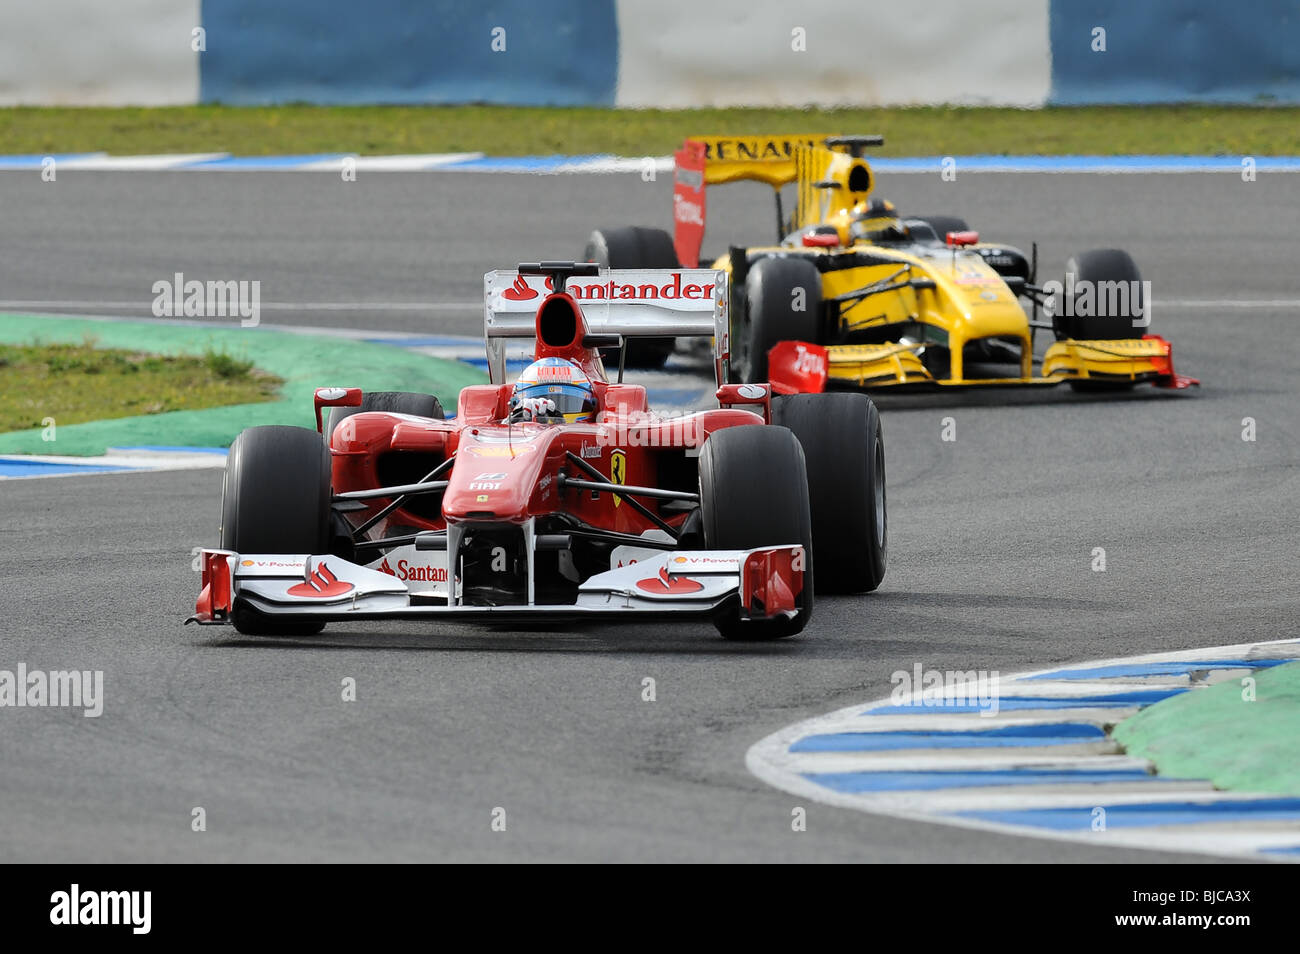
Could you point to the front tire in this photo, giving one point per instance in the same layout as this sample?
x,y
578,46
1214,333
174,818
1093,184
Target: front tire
x,y
754,493
783,302
845,455
276,499
1095,267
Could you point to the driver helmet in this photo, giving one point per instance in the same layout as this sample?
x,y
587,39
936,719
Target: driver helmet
x,y
563,383
876,220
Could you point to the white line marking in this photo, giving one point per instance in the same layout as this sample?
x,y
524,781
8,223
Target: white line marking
x,y
1228,303
106,163
412,163
955,760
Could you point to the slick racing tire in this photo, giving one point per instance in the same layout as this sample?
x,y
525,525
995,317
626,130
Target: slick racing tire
x,y
1096,266
396,402
275,499
774,290
844,452
635,247
943,224
754,493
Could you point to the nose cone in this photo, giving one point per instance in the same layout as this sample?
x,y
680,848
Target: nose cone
x,y
497,471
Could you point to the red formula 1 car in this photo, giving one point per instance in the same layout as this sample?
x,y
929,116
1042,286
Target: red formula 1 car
x,y
559,496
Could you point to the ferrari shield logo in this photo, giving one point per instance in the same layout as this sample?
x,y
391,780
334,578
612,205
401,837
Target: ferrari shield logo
x,y
618,471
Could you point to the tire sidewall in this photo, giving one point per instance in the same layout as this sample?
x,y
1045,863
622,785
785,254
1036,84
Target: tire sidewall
x,y
768,316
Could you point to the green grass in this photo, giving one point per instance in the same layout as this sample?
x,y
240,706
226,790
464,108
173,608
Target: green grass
x,y
1239,740
73,383
506,130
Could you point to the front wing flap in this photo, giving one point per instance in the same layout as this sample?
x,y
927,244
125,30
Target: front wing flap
x,y
1149,358
803,367
764,583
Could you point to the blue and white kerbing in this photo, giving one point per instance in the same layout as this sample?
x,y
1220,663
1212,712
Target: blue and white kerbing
x,y
117,460
1038,762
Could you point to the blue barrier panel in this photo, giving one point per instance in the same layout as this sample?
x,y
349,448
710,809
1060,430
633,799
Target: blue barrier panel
x,y
557,52
1176,51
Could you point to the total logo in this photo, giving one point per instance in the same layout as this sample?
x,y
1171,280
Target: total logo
x,y
684,210
808,362
410,572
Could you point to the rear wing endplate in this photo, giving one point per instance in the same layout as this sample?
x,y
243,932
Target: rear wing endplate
x,y
713,160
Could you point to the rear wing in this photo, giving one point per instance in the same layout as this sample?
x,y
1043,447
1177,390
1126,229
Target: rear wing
x,y
776,160
713,160
627,302
767,159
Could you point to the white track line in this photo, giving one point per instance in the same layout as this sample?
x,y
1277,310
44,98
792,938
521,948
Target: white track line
x,y
106,163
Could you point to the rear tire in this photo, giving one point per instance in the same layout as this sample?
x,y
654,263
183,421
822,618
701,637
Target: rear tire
x,y
754,493
395,402
635,247
844,452
276,499
773,287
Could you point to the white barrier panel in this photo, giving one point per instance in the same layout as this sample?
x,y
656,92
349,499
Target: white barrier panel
x,y
682,53
98,53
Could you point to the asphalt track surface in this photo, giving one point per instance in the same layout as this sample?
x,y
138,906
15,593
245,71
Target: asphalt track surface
x,y
991,541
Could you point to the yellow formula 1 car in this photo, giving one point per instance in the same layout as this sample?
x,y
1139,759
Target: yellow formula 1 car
x,y
855,295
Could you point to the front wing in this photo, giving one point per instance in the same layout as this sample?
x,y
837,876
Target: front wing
x,y
798,366
760,584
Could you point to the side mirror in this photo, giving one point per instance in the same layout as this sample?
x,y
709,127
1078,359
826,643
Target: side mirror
x,y
735,395
335,397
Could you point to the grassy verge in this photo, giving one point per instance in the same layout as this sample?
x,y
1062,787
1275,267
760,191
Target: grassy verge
x,y
374,130
304,362
72,383
1222,733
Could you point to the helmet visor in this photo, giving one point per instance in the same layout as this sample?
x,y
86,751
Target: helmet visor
x,y
572,401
